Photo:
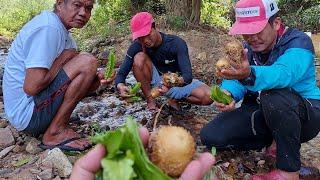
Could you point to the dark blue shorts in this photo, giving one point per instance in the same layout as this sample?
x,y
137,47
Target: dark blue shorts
x,y
47,103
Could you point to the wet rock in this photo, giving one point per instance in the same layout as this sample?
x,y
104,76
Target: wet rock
x,y
15,132
24,174
261,162
6,138
57,178
33,146
59,161
87,111
3,123
4,152
4,171
47,174
4,41
104,55
247,177
19,148
95,51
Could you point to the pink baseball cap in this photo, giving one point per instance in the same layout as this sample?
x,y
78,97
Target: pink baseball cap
x,y
140,24
252,16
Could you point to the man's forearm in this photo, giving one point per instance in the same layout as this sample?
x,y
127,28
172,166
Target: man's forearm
x,y
38,79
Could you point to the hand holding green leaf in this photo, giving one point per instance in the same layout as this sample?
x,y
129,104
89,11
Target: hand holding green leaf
x,y
218,95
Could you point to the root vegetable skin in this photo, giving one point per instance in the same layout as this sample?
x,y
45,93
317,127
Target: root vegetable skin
x,y
155,92
171,149
222,63
172,80
234,51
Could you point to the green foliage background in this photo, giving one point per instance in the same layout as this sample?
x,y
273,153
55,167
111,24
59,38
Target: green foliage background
x,y
15,13
303,14
216,12
111,17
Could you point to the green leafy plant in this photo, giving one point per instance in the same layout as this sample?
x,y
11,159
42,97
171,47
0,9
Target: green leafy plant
x,y
110,66
215,12
15,13
219,96
133,90
126,158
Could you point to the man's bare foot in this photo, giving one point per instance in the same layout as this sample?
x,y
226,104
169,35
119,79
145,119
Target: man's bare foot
x,y
66,138
174,104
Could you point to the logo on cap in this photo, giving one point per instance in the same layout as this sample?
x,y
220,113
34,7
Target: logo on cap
x,y
272,6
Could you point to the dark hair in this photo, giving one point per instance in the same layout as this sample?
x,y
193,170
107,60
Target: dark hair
x,y
153,25
272,18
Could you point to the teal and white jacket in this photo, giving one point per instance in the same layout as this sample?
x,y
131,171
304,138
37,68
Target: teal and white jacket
x,y
290,65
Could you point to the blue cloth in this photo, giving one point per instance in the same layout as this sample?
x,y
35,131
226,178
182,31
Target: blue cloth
x,y
172,55
37,45
290,65
175,92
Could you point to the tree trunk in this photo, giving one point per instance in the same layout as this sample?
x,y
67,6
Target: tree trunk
x,y
195,13
188,9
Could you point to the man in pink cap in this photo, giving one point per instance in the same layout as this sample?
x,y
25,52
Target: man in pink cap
x,y
153,53
276,81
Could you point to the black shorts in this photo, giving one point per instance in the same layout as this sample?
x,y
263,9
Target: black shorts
x,y
47,103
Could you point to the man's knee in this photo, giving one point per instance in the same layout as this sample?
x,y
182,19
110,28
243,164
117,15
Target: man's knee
x,y
276,99
86,62
203,94
140,60
212,137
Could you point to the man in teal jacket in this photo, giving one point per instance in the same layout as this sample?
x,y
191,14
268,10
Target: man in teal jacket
x,y
276,81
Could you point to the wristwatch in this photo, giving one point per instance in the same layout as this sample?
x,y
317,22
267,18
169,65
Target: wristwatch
x,y
249,81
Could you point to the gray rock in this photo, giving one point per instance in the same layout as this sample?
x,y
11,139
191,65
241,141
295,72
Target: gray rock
x,y
24,174
5,171
4,152
59,161
6,138
57,178
19,148
3,123
32,146
47,174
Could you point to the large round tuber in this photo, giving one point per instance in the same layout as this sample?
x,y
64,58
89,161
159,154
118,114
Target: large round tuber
x,y
234,51
222,63
171,149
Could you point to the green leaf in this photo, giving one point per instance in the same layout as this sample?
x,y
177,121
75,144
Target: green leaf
x,y
213,151
134,89
126,156
218,95
118,169
111,64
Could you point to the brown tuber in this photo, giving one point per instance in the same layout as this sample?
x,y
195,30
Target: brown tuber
x,y
234,51
171,149
222,63
172,80
155,92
